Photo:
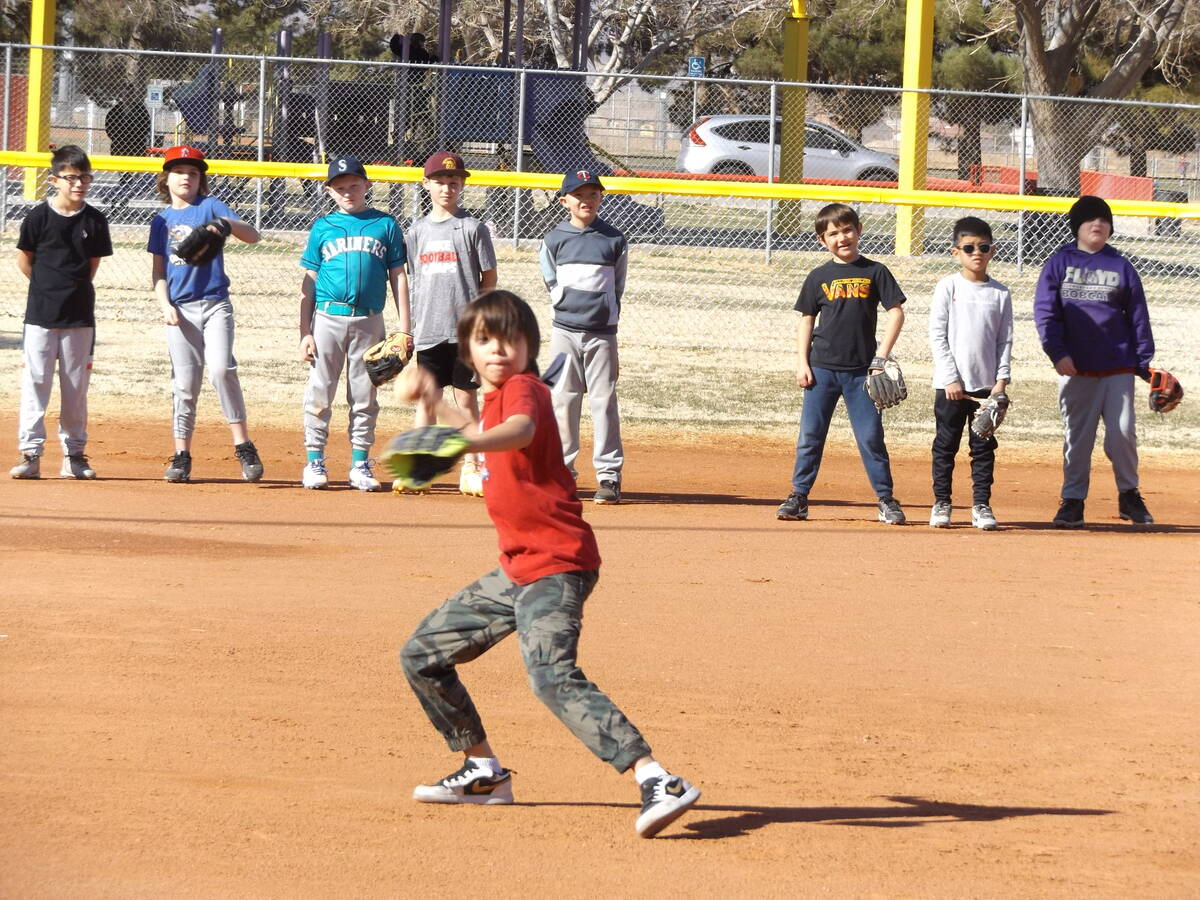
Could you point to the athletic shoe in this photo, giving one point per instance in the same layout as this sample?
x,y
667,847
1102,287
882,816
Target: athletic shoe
x,y
247,454
890,511
470,479
470,784
1070,514
664,799
315,476
939,516
76,466
794,508
179,469
983,518
30,466
362,477
608,493
1131,507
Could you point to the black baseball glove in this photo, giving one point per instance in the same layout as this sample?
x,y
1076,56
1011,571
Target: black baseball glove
x,y
204,243
387,359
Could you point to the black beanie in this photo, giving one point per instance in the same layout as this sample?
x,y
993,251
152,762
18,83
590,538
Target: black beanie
x,y
1087,208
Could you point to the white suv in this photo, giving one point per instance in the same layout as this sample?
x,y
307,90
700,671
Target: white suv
x,y
738,145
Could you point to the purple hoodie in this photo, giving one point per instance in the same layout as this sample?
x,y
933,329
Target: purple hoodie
x,y
1091,307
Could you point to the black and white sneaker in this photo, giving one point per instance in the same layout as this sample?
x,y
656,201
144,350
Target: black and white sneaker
x,y
1132,508
609,493
664,799
1070,513
793,509
470,784
179,469
890,512
247,454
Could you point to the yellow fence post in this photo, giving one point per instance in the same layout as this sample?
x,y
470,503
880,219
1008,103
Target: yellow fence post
x,y
41,79
793,110
914,122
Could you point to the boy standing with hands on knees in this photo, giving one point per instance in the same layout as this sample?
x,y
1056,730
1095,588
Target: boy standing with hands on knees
x,y
59,249
450,262
837,350
584,262
549,564
970,333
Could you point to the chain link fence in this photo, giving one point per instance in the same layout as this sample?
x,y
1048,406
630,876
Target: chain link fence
x,y
706,272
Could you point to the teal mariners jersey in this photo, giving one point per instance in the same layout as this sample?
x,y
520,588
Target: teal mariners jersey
x,y
351,254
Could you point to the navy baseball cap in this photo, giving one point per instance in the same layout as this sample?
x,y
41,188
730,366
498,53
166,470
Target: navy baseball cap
x,y
345,165
573,181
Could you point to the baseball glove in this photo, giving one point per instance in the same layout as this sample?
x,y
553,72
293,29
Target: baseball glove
x,y
990,414
1165,391
418,456
885,383
203,244
387,359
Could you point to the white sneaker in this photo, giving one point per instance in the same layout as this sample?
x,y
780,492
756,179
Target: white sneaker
x,y
939,516
76,466
664,800
982,517
362,477
30,466
470,784
470,479
315,476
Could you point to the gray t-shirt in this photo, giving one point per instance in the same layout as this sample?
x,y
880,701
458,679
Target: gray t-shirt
x,y
445,261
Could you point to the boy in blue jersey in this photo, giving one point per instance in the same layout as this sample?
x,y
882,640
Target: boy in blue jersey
x,y
353,254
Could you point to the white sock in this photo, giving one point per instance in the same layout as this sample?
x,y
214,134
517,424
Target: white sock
x,y
648,771
491,763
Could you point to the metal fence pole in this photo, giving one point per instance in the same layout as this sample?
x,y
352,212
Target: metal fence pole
x,y
4,140
1021,185
695,98
771,168
520,157
262,98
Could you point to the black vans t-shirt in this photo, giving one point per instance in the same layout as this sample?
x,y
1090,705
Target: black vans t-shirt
x,y
845,298
60,289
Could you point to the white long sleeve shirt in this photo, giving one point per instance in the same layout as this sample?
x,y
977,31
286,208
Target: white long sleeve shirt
x,y
971,333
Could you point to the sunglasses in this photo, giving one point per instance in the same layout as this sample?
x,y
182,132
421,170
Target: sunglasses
x,y
970,248
75,179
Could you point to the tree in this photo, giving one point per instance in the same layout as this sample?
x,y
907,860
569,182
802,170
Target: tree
x,y
1053,36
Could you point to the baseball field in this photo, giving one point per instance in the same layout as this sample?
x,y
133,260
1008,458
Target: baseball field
x,y
201,694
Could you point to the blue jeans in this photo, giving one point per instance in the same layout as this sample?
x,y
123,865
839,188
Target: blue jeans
x,y
816,414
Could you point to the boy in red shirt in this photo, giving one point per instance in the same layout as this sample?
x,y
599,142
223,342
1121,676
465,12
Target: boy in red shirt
x,y
549,564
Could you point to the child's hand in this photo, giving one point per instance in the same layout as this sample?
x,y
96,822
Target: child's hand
x,y
414,384
804,376
170,315
1066,366
308,348
954,391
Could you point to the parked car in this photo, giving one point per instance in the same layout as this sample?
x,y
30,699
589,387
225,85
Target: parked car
x,y
737,145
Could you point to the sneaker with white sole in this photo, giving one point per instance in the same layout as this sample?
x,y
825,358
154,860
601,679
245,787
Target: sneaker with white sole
x,y
30,466
983,518
794,508
362,478
316,476
247,455
890,512
664,799
608,493
472,783
1132,508
76,466
470,478
179,468
939,516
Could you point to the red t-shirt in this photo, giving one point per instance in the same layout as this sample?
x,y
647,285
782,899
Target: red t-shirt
x,y
529,493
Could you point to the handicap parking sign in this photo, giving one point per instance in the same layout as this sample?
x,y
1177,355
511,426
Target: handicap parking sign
x,y
695,67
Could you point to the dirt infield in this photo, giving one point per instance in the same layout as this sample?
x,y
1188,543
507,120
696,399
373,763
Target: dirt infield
x,y
201,695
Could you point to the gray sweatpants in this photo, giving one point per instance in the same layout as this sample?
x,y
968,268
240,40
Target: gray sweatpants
x,y
42,348
1084,401
547,616
341,342
204,336
592,367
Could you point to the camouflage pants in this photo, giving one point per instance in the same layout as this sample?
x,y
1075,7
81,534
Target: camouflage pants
x,y
547,616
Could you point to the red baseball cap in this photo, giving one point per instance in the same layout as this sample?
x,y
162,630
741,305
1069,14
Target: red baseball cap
x,y
445,162
184,154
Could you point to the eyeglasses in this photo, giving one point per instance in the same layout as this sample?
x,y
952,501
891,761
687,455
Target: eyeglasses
x,y
75,179
970,248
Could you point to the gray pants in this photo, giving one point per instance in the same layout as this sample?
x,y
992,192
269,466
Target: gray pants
x,y
547,616
204,336
592,367
341,342
42,348
1084,401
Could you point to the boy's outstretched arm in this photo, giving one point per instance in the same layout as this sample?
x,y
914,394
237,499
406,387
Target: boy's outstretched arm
x,y
891,332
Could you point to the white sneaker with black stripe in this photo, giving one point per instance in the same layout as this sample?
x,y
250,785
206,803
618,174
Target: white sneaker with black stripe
x,y
472,783
664,799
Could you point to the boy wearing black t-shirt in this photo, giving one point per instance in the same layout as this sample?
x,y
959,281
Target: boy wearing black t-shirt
x,y
839,305
59,250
